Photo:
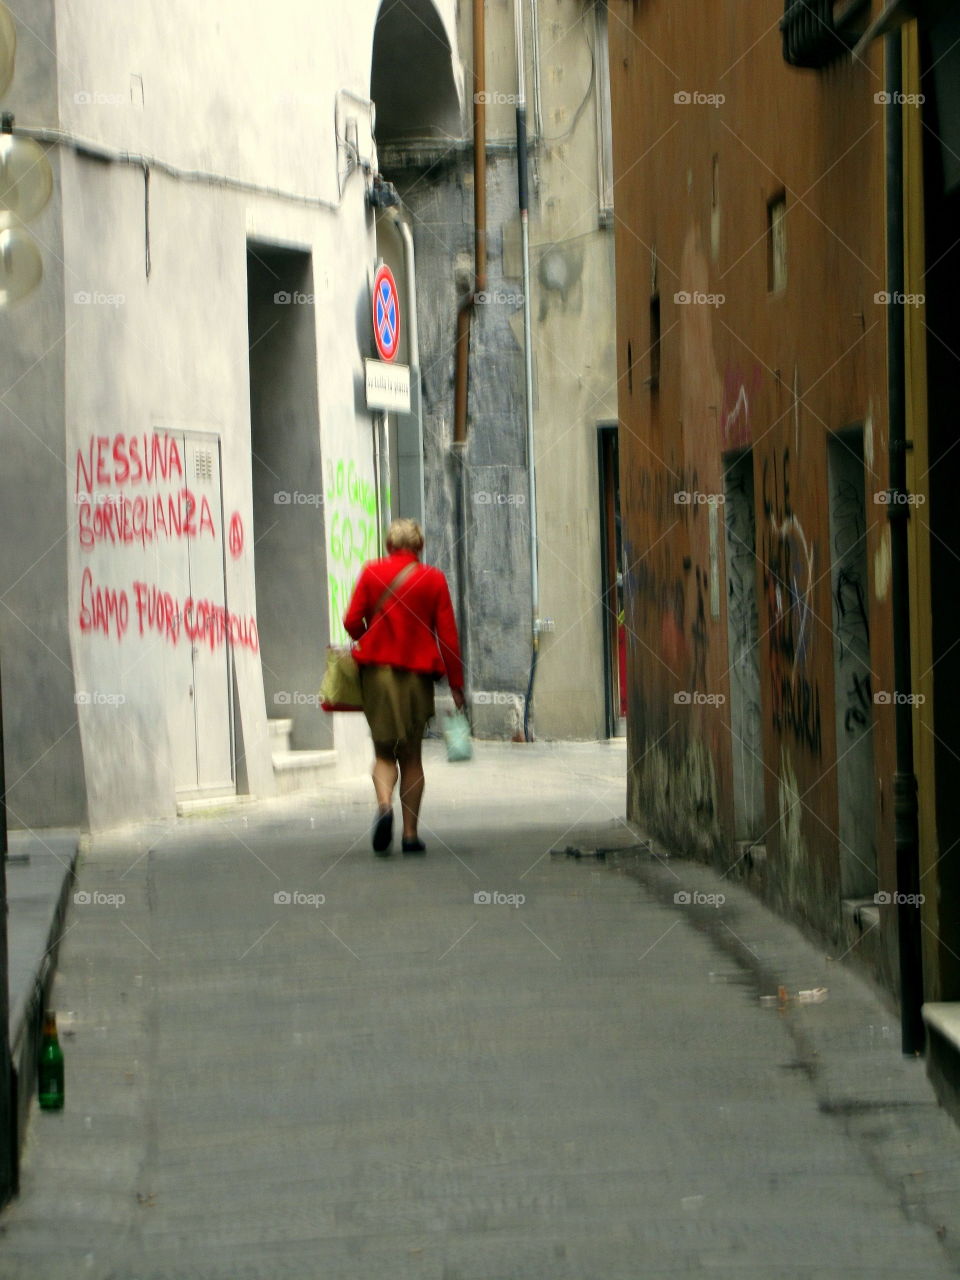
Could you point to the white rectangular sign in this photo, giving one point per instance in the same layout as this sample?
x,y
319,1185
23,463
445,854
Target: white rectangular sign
x,y
388,386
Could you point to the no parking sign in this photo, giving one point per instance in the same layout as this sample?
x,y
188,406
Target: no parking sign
x,y
386,313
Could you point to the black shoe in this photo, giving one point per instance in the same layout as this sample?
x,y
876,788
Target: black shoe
x,y
383,832
413,846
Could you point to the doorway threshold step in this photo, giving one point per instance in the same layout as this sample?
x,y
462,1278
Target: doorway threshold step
x,y
864,912
203,804
280,730
302,770
943,1052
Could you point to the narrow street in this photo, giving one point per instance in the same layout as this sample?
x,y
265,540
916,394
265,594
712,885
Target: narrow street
x,y
571,379
575,1080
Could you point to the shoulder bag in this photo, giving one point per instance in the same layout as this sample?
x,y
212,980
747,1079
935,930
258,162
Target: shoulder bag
x,y
340,689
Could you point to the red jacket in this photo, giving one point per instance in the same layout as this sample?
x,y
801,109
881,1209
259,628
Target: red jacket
x,y
414,629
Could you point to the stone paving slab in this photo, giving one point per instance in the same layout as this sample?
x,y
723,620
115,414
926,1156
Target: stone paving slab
x,y
39,865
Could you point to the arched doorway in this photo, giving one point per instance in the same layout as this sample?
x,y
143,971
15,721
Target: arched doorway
x,y
416,84
414,87
412,76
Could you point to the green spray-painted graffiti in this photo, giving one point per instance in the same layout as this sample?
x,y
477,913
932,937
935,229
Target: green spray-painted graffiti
x,y
352,533
347,485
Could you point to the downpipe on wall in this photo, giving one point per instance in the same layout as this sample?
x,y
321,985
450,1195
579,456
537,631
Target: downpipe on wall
x,y
413,344
467,303
906,827
522,196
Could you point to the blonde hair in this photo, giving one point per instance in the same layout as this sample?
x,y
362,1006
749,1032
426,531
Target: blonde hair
x,y
405,535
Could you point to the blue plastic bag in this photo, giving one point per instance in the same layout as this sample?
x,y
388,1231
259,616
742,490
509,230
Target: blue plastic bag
x,y
456,731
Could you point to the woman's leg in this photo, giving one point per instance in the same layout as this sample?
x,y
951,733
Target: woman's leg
x,y
384,773
411,784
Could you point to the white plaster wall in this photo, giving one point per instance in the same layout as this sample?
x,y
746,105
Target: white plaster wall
x,y
249,94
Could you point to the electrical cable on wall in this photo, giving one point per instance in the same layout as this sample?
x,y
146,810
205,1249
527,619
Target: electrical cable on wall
x,y
588,95
112,155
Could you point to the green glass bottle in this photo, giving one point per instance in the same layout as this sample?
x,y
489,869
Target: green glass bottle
x,y
50,1071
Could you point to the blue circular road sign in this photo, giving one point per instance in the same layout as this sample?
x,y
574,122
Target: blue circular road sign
x,y
386,313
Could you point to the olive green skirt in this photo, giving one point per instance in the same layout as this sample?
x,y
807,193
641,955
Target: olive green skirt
x,y
396,702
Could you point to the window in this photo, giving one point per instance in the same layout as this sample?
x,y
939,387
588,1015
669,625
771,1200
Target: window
x,y
653,382
818,32
604,131
777,243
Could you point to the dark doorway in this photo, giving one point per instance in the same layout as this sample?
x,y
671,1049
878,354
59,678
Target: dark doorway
x,y
288,519
853,701
611,571
743,646
941,117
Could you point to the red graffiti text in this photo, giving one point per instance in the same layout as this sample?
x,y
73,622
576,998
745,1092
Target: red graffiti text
x,y
122,460
107,610
121,520
103,609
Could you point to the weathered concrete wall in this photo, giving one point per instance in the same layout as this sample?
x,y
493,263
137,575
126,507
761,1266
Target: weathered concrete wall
x,y
44,766
495,538
746,362
574,373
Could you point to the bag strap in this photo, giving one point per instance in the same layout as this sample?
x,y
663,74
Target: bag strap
x,y
402,576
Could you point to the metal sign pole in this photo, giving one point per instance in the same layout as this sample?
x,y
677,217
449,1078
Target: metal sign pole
x,y
8,1110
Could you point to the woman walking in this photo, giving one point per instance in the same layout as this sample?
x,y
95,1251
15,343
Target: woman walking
x,y
401,617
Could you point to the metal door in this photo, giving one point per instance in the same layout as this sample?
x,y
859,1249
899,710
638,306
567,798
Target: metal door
x,y
206,762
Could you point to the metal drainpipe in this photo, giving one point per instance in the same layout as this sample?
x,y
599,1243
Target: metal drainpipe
x,y
378,431
413,343
527,361
906,830
537,89
9,1112
465,309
